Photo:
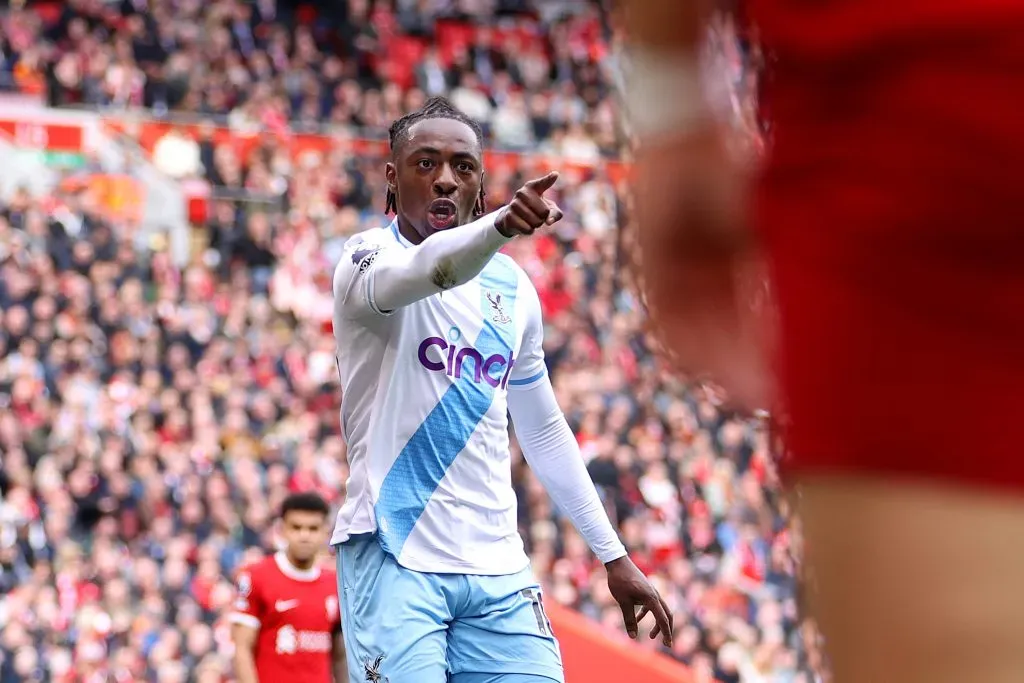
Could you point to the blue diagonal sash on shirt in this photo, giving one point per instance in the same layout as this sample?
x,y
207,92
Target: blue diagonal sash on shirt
x,y
433,447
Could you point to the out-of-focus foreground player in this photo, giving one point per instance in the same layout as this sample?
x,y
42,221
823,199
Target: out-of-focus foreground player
x,y
891,218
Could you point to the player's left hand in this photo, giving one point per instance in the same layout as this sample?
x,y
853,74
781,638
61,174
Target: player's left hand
x,y
631,589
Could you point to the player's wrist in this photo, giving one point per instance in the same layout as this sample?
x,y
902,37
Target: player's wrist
x,y
499,223
620,557
665,93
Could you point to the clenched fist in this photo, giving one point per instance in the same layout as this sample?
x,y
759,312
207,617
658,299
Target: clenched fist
x,y
529,210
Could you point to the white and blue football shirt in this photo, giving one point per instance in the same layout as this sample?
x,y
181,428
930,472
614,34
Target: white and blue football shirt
x,y
424,411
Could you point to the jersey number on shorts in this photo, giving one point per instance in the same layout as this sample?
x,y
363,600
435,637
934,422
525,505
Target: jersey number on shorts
x,y
543,623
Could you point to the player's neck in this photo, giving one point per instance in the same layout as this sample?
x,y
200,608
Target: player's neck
x,y
310,571
409,233
300,566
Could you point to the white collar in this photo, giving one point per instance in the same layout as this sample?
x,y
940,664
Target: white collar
x,y
293,572
398,233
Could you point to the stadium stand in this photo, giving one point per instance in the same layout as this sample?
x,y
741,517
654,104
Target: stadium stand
x,y
157,408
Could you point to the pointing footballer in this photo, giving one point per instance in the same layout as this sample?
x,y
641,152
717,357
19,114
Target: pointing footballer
x,y
438,340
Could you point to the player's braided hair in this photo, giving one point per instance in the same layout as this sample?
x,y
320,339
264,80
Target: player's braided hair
x,y
434,108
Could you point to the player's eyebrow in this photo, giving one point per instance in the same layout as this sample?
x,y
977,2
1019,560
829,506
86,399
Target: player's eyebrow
x,y
426,149
434,151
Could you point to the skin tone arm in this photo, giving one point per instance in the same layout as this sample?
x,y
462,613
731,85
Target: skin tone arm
x,y
666,26
691,210
244,638
339,659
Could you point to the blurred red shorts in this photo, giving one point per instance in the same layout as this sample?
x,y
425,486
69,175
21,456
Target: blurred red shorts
x,y
893,212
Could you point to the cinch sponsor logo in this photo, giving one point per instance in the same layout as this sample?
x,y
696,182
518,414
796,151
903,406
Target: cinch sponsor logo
x,y
438,354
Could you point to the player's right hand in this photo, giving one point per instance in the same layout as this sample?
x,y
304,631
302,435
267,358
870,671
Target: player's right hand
x,y
529,209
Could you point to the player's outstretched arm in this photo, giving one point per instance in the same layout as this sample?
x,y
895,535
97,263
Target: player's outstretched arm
x,y
692,201
449,258
662,89
553,453
454,257
666,25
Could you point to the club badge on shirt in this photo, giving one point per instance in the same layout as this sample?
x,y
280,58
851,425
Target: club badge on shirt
x,y
372,670
498,314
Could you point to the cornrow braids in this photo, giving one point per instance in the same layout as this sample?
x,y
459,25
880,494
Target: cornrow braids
x,y
434,108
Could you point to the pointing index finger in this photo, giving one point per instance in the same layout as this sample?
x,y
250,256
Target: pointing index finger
x,y
542,185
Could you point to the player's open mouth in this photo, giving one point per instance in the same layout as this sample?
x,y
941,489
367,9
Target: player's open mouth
x,y
442,213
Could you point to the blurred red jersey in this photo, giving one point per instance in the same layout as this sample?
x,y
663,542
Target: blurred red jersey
x,y
892,218
822,28
296,613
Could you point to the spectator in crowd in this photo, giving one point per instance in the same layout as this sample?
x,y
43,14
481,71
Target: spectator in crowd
x,y
261,65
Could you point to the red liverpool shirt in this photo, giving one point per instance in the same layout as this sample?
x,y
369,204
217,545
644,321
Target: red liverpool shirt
x,y
296,613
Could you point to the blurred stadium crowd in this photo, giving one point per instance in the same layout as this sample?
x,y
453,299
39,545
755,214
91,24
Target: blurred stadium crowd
x,y
154,417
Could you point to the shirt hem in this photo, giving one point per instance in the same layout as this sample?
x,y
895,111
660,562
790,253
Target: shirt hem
x,y
468,568
339,537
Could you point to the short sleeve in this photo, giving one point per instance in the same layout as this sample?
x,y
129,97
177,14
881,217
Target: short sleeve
x,y
249,607
353,277
529,366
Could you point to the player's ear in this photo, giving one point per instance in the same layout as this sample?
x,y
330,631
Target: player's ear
x,y
391,174
390,201
480,208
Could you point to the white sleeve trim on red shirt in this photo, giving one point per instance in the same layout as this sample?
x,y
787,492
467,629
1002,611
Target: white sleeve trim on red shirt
x,y
244,619
293,572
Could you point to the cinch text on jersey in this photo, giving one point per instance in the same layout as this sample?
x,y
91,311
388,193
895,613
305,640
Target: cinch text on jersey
x,y
451,359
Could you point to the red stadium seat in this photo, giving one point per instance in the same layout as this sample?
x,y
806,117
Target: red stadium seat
x,y
452,35
403,53
49,12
